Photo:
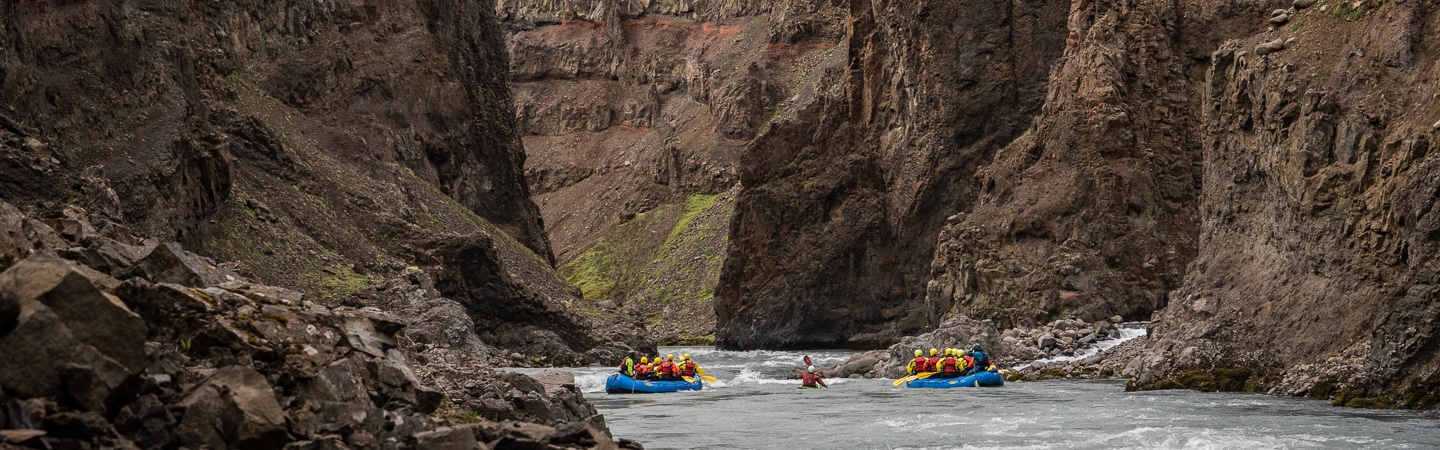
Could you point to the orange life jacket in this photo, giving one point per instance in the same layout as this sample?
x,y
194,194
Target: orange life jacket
x,y
687,368
922,364
948,365
667,368
642,369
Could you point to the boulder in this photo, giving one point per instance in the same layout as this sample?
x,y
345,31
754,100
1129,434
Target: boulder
x,y
555,380
1302,4
234,408
21,236
1270,47
168,263
65,321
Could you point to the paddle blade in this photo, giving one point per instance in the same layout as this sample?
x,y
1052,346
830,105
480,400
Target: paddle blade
x,y
688,379
903,380
700,370
707,378
807,361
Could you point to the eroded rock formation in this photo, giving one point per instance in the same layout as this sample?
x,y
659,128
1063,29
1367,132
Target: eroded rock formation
x,y
844,196
326,146
1317,261
637,115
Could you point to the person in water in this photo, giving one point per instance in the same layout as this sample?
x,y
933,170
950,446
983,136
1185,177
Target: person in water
x,y
950,366
668,369
811,379
688,368
919,364
627,367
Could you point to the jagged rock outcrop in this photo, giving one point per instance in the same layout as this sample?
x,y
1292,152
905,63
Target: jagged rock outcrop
x,y
320,145
92,360
843,197
1317,260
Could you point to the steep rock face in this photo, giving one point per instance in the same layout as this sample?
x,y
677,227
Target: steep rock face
x,y
637,116
844,195
1317,261
1092,213
318,145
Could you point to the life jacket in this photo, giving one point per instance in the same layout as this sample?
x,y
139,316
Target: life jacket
x,y
922,364
687,368
949,365
969,362
667,368
643,369
627,367
933,364
809,379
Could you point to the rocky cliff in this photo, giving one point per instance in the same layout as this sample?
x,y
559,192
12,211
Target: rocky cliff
x,y
325,146
1317,256
844,196
636,118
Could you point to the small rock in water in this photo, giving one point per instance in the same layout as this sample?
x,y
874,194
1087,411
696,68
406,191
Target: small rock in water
x,y
1116,319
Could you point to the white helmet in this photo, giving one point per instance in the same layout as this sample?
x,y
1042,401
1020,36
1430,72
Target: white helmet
x,y
811,369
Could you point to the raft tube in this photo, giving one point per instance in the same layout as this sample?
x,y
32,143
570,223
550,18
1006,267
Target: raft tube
x,y
621,384
982,379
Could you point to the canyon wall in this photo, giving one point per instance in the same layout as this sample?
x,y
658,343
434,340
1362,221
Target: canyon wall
x,y
1317,260
636,118
844,195
326,146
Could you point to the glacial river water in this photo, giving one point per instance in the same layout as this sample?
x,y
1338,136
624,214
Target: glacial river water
x,y
752,406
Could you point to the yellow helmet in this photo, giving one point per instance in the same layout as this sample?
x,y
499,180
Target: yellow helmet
x,y
643,360
685,357
918,352
933,352
670,357
949,351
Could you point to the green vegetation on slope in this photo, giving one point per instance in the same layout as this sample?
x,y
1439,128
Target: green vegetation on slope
x,y
671,282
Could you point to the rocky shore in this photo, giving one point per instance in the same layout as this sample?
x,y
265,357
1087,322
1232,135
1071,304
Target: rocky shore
x,y
1021,351
110,341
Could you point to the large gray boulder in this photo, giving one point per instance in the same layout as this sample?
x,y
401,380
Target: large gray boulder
x,y
234,408
67,330
169,263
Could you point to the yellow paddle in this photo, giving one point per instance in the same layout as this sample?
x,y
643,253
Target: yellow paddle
x,y
912,378
699,370
688,379
707,378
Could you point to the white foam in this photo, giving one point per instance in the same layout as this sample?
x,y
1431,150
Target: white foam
x,y
1128,331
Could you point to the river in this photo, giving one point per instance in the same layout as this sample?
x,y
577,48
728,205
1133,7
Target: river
x,y
752,406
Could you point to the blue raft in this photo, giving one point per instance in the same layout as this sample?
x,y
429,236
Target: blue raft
x,y
621,384
982,379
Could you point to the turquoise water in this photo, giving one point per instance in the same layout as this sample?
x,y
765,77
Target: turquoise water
x,y
752,406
